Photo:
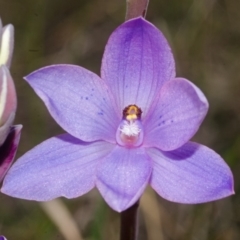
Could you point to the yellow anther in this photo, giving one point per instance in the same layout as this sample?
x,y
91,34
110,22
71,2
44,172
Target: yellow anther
x,y
132,112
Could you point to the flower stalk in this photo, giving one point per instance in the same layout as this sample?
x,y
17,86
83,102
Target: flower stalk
x,y
136,8
129,217
129,223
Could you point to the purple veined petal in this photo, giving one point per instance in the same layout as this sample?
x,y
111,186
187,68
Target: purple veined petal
x,y
176,116
122,176
6,45
190,174
2,238
136,62
8,149
78,100
8,97
60,166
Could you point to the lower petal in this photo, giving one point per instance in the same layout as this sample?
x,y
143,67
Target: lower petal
x,y
190,174
60,166
122,176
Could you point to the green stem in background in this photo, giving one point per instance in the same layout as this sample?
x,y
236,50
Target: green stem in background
x,y
129,223
136,8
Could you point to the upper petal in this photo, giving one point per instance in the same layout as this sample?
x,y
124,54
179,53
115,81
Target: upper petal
x,y
136,62
78,100
60,166
9,149
190,174
175,116
122,176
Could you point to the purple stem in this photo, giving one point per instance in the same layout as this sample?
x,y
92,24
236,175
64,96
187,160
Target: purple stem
x,y
136,8
129,223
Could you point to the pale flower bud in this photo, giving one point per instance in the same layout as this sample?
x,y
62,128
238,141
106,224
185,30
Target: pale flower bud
x,y
8,102
6,44
9,135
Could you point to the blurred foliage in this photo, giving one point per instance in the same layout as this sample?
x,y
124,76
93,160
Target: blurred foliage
x,y
205,38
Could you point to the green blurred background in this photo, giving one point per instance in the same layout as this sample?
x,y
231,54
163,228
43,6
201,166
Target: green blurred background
x,y
205,38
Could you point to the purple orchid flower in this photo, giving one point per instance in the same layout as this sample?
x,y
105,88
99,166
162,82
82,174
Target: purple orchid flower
x,y
127,129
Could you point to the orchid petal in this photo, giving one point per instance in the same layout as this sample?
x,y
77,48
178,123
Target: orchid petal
x,y
78,100
176,115
136,62
190,174
7,44
9,149
60,166
122,176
